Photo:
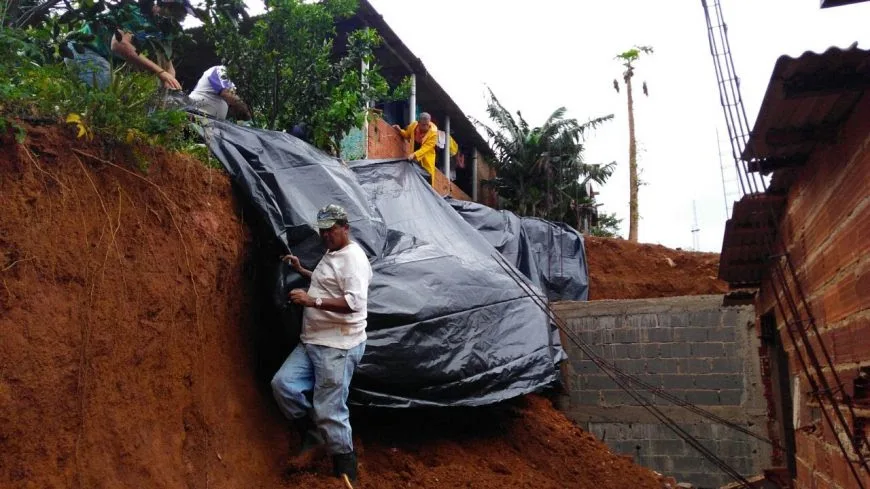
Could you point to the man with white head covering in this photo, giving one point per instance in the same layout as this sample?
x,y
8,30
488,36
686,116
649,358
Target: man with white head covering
x,y
215,93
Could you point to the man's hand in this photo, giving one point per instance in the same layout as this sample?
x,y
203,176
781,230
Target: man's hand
x,y
293,261
301,297
168,80
397,127
412,157
122,45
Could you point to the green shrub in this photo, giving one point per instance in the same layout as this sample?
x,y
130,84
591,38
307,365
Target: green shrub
x,y
34,85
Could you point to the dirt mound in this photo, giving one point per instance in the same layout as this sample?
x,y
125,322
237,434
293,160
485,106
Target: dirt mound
x,y
129,356
522,443
619,269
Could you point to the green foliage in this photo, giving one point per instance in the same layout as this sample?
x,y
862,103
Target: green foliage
x,y
633,54
607,226
289,70
203,154
540,170
51,28
36,86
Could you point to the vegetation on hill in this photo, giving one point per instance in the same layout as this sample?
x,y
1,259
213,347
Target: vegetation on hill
x,y
541,171
37,87
294,72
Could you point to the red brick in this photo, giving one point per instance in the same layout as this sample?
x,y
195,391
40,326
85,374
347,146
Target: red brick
x,y
848,296
823,459
805,448
840,471
841,254
814,182
850,342
820,482
804,474
384,141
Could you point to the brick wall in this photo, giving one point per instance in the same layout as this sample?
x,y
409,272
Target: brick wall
x,y
385,142
690,346
486,195
826,226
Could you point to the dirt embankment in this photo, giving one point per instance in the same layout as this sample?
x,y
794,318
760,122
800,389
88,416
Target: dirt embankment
x,y
619,269
126,356
129,357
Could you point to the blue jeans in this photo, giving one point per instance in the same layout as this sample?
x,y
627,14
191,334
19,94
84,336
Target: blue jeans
x,y
316,379
90,67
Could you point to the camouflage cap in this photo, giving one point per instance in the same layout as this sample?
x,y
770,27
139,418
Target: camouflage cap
x,y
327,216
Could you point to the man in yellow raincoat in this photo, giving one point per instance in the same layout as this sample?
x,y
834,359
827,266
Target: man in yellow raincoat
x,y
424,136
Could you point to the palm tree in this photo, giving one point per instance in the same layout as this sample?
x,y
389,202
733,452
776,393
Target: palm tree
x,y
540,170
628,58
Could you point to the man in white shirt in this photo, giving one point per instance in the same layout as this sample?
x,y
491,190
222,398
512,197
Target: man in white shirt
x,y
215,93
314,381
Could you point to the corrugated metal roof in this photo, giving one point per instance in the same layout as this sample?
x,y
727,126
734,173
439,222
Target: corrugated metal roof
x,y
807,100
749,237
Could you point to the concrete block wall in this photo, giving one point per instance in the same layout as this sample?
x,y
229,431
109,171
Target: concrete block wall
x,y
826,231
693,348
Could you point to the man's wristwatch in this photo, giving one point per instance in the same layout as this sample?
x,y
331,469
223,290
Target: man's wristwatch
x,y
318,302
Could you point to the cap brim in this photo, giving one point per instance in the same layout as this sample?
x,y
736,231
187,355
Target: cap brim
x,y
326,223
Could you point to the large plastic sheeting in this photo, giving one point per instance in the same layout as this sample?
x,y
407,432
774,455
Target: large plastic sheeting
x,y
447,326
550,254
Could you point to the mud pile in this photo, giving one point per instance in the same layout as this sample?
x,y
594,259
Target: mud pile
x,y
129,356
619,269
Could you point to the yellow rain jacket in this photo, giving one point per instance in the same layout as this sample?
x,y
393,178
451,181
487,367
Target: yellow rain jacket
x,y
426,154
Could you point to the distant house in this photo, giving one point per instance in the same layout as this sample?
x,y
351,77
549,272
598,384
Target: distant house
x,y
378,140
804,244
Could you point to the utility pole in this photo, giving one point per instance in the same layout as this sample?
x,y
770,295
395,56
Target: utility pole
x,y
696,238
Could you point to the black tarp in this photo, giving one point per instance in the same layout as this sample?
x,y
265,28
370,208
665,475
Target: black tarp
x,y
447,326
550,254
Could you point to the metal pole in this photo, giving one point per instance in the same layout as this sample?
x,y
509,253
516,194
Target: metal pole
x,y
474,181
447,154
412,102
363,71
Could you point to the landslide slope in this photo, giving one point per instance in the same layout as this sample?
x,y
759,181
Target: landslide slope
x,y
126,357
130,356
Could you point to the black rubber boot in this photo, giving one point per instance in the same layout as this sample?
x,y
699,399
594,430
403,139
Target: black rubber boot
x,y
345,464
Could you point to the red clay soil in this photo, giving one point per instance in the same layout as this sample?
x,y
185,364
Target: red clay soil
x,y
619,269
128,359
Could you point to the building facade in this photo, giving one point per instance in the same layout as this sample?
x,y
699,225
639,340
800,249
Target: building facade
x,y
803,245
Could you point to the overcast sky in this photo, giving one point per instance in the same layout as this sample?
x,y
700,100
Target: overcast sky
x,y
537,56
543,54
